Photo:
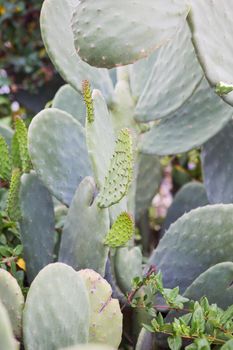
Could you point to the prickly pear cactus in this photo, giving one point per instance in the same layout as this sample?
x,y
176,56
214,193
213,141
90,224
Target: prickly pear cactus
x,y
181,132
217,15
149,174
196,241
57,309
216,162
62,51
58,150
167,89
8,341
127,265
105,311
146,27
13,300
86,226
215,283
71,101
36,224
190,196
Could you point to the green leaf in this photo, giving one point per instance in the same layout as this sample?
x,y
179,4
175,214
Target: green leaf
x,y
121,231
198,320
175,343
148,327
202,344
21,134
5,160
227,315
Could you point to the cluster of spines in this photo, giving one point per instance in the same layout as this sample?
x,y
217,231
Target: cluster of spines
x,y
87,96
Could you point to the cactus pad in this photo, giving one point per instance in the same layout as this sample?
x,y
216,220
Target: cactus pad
x,y
127,264
13,300
119,175
71,101
175,75
211,22
196,241
85,228
36,224
121,231
6,334
181,131
139,73
215,283
190,196
148,181
58,151
105,311
57,309
55,22
217,161
106,38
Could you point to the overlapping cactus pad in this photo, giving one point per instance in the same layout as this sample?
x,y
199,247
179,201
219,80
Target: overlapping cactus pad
x,y
105,310
105,37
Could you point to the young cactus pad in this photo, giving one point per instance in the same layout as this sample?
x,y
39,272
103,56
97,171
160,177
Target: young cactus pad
x,y
106,316
121,231
119,175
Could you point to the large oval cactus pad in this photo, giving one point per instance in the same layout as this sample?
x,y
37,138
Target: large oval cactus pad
x,y
105,37
57,309
57,147
196,241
